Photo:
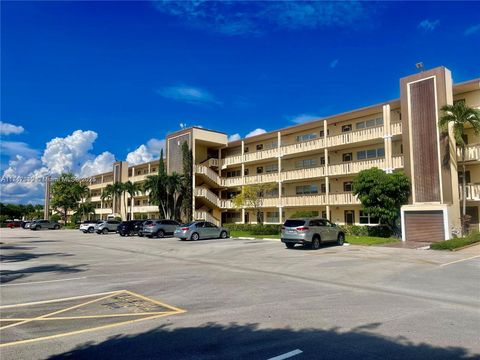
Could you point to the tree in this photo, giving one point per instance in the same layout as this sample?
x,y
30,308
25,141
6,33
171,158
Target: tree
x,y
132,189
65,194
187,202
85,209
459,116
107,194
382,194
151,187
83,191
251,197
175,187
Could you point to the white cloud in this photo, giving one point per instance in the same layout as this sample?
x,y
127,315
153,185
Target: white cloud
x,y
188,94
428,25
100,164
303,118
254,18
145,153
14,148
7,129
234,137
334,63
472,30
256,132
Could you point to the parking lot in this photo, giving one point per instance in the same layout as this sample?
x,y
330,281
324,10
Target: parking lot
x,y
89,296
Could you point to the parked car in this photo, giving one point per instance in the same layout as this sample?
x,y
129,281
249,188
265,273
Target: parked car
x,y
201,230
160,228
44,224
144,222
14,224
27,224
104,227
130,227
88,226
311,232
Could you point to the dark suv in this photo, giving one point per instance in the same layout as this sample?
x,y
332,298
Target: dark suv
x,y
130,227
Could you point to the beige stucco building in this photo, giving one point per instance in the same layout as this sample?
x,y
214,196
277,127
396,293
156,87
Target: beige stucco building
x,y
312,165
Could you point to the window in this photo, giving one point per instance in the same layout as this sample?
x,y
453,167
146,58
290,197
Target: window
x,y
272,145
154,170
306,189
361,155
259,147
366,219
324,214
259,169
467,177
347,157
246,172
465,138
322,133
347,186
234,173
401,148
273,216
369,154
271,168
306,137
369,123
323,188
245,150
322,160
347,128
307,163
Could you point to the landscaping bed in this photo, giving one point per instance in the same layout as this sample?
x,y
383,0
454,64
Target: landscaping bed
x,y
457,242
369,240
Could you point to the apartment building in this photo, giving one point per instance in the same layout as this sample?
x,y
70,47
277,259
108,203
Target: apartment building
x,y
312,165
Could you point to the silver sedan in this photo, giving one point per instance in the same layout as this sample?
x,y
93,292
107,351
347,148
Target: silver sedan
x,y
200,230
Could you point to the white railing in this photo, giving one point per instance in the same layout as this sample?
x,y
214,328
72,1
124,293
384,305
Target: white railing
x,y
207,194
355,166
261,178
303,173
212,175
472,192
99,185
396,128
226,204
472,153
230,160
397,161
233,181
304,200
144,208
315,144
95,198
210,162
204,215
342,199
355,136
260,155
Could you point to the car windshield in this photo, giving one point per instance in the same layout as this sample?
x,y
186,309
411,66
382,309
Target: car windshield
x,y
189,224
148,222
294,223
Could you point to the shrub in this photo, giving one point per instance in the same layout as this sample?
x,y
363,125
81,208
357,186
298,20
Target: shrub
x,y
255,229
375,231
457,242
304,214
55,217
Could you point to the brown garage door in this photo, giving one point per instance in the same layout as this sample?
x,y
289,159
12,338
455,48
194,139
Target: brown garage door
x,y
425,226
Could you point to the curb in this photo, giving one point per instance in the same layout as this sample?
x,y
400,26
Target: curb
x,y
465,247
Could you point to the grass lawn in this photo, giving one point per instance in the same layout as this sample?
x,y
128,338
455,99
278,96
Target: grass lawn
x,y
236,233
456,243
368,240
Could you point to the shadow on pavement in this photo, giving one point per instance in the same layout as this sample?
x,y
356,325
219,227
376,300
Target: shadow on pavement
x,y
11,275
25,256
215,341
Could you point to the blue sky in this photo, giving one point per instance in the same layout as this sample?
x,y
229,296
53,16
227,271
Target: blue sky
x,y
127,73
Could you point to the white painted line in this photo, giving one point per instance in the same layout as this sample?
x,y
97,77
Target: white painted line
x,y
457,261
287,355
50,281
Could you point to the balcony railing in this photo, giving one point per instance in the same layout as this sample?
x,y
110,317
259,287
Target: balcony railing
x,y
342,199
303,146
201,191
472,153
261,178
355,136
260,155
204,215
472,192
305,200
396,128
355,166
209,173
145,208
397,161
303,173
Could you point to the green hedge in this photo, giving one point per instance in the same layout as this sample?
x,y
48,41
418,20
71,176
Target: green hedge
x,y
375,231
457,242
255,229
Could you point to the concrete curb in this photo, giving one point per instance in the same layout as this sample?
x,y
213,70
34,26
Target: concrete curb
x,y
465,247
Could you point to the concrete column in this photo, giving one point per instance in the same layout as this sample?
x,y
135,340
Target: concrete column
x,y
46,205
327,186
149,168
280,214
325,131
328,212
387,135
243,216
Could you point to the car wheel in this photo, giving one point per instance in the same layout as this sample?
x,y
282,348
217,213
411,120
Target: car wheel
x,y
91,229
160,233
340,239
290,245
56,227
195,236
315,243
105,231
122,233
140,234
223,235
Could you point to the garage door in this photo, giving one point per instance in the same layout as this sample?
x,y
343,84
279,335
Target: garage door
x,y
425,226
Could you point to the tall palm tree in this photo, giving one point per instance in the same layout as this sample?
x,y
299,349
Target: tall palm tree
x,y
174,191
118,191
151,187
132,189
460,115
83,191
85,209
107,194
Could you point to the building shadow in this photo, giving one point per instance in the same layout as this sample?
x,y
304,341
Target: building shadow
x,y
249,341
25,256
7,276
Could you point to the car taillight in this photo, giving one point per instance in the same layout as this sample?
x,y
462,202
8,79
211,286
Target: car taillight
x,y
302,228
184,229
151,225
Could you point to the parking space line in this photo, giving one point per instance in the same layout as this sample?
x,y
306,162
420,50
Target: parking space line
x,y
155,302
86,316
51,281
287,355
457,261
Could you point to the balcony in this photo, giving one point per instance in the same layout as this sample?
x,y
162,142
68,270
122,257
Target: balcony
x,y
396,128
305,200
296,148
261,178
206,216
209,173
472,192
355,166
203,192
303,173
472,153
342,199
99,185
397,161
95,198
145,209
260,155
355,136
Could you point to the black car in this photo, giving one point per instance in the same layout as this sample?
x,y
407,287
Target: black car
x,y
130,227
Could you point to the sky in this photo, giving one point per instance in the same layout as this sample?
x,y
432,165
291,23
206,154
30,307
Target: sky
x,y
84,83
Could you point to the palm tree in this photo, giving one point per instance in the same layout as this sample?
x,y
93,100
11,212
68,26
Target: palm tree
x,y
85,208
132,189
460,115
117,192
151,187
83,191
107,194
174,192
